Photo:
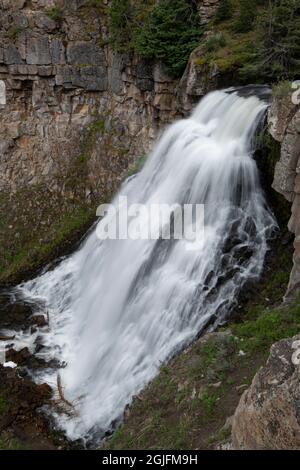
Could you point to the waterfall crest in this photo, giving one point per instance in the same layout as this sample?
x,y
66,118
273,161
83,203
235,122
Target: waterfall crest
x,y
120,308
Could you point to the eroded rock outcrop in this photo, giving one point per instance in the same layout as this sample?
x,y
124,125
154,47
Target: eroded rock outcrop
x,y
284,120
59,75
268,415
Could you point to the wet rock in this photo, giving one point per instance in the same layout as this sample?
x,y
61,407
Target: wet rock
x,y
18,357
39,320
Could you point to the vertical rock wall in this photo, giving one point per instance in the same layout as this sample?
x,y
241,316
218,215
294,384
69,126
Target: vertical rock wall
x,y
284,120
58,76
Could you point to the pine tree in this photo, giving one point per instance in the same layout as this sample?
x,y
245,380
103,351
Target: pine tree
x,y
224,11
279,33
120,24
247,15
170,33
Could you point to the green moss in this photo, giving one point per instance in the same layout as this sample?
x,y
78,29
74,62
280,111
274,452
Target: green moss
x,y
282,89
215,42
270,326
209,401
14,31
55,13
7,443
137,166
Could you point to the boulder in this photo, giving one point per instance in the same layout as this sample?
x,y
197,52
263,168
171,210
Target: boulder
x,y
268,415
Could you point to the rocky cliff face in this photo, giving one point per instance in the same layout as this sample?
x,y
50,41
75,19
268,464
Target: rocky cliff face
x,y
284,119
59,77
268,415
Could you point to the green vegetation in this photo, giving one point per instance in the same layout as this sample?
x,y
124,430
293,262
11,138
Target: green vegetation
x,y
121,18
14,31
36,227
278,42
38,224
215,42
137,166
55,13
170,34
246,16
98,4
7,443
261,42
224,11
167,31
268,327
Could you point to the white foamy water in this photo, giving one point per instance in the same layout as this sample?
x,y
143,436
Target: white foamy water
x,y
120,308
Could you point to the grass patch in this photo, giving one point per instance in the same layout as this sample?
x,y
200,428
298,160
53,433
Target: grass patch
x,y
268,327
35,223
137,166
55,13
7,443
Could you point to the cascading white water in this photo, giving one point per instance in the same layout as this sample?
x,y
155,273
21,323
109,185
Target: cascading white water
x,y
119,308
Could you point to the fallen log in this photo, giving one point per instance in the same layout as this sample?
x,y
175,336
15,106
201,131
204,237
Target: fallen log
x,y
61,393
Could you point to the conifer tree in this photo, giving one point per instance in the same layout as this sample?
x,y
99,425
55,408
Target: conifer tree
x,y
224,11
247,15
279,32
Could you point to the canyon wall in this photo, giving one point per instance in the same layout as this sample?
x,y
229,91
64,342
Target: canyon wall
x,y
284,126
61,85
70,105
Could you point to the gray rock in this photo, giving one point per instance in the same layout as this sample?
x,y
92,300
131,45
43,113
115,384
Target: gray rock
x,y
144,76
12,55
89,78
57,50
21,20
43,21
45,70
23,69
115,79
268,415
85,53
16,4
38,51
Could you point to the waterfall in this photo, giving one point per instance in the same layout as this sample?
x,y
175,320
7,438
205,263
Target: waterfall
x,y
120,308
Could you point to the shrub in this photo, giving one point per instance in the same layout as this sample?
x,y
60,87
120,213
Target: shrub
x,y
246,17
278,48
215,42
121,25
170,33
55,13
224,11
